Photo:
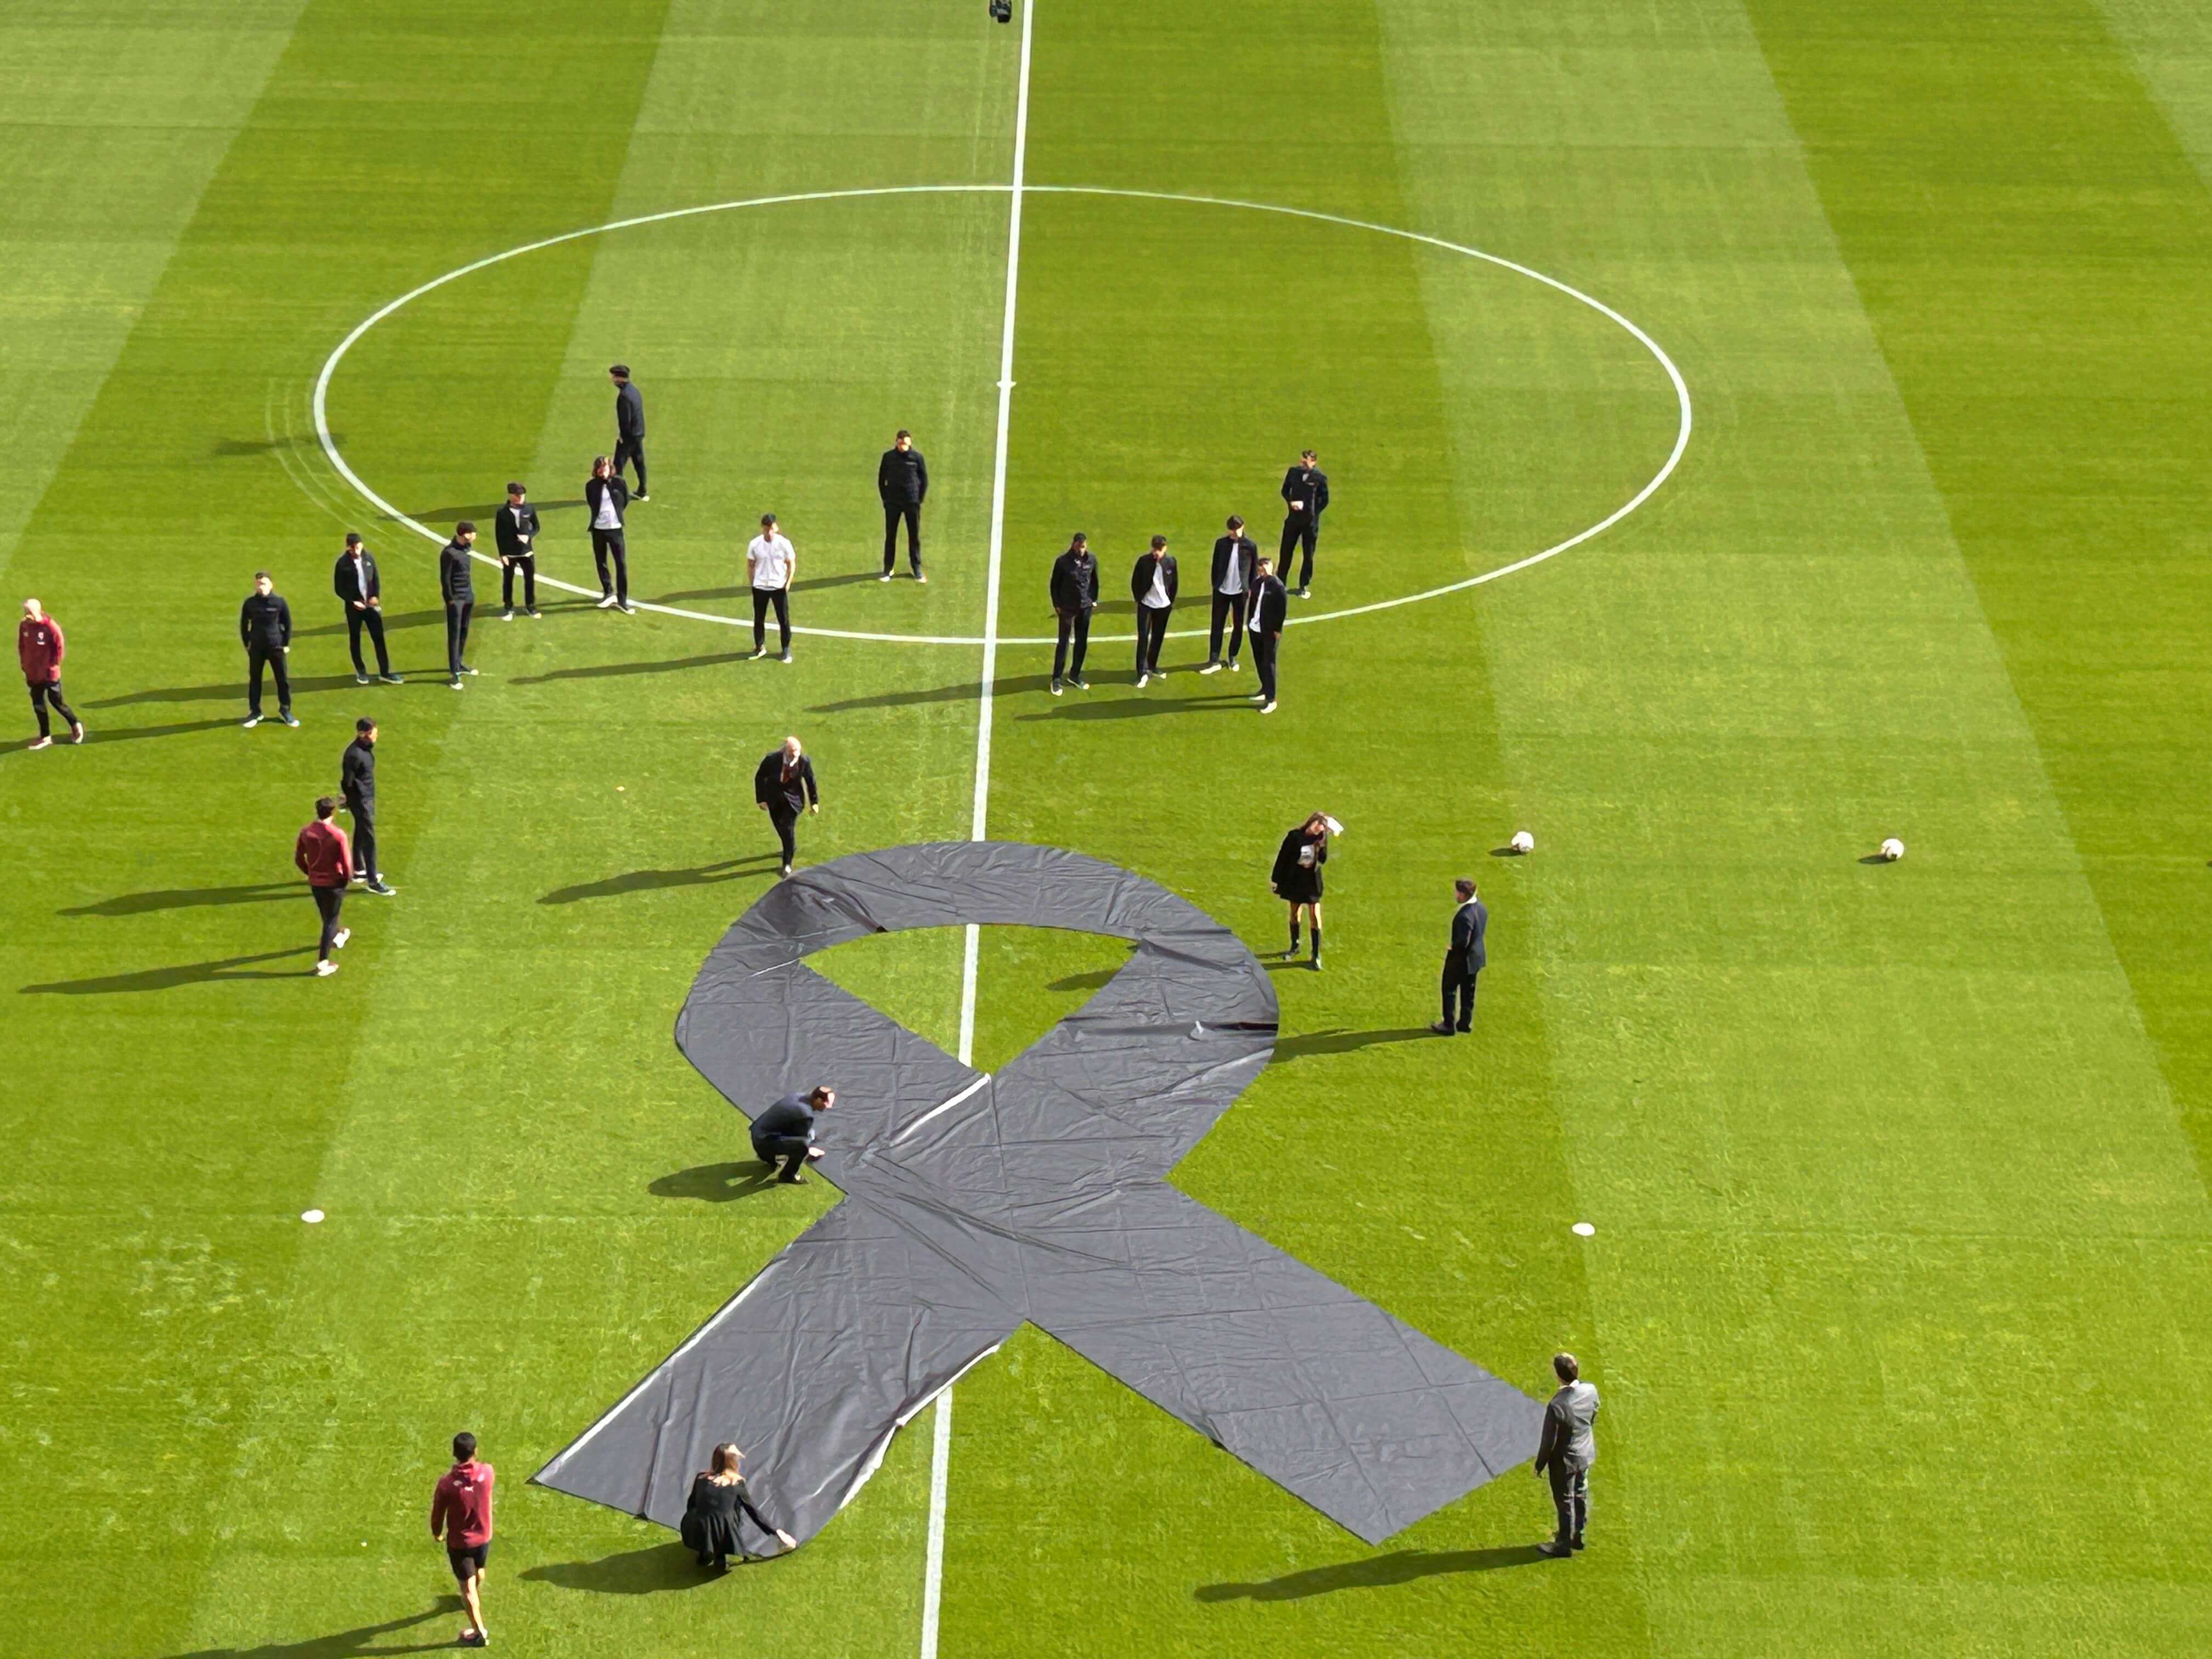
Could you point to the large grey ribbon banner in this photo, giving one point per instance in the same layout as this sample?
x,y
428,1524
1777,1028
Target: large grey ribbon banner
x,y
975,1202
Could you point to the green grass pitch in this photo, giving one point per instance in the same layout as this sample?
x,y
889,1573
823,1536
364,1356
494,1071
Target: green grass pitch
x,y
1897,1294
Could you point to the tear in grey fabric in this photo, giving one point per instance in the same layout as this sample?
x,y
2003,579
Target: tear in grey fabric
x,y
973,1203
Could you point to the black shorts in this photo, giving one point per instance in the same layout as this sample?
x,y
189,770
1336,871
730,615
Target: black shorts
x,y
468,1563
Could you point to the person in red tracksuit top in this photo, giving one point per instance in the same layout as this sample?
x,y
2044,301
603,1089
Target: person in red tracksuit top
x,y
326,860
460,1512
39,647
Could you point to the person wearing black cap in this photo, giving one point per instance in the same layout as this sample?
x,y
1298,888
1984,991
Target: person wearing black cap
x,y
457,586
784,1133
1074,594
359,588
515,532
265,628
1305,494
1464,957
606,498
902,482
1271,606
629,426
1152,584
783,787
1236,573
357,788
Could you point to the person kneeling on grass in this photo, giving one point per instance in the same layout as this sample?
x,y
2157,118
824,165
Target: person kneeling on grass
x,y
710,1517
785,1132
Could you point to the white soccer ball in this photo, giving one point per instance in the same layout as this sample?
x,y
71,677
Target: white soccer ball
x,y
1523,841
1893,849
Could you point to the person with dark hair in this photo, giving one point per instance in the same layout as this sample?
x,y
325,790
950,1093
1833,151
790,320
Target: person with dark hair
x,y
1464,957
1565,1452
40,647
1152,584
1074,596
359,588
1296,879
1236,573
515,532
783,787
629,426
606,499
357,788
326,860
1305,494
457,585
902,482
784,1134
460,1515
770,563
710,1517
1271,608
265,628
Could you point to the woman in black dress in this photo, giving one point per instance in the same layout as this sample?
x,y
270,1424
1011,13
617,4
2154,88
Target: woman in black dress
x,y
1297,877
710,1518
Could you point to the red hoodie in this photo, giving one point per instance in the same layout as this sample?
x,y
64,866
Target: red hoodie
x,y
39,647
323,854
461,1510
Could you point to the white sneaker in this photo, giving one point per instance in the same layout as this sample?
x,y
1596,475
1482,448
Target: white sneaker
x,y
338,938
1143,680
1053,688
1268,708
251,721
1210,668
626,607
607,603
43,743
1235,667
325,970
507,615
885,577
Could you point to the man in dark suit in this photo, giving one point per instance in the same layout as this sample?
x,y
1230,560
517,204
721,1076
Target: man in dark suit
x,y
629,426
515,532
783,787
1074,594
902,482
265,628
1305,495
1464,958
606,500
1152,584
1236,561
357,788
457,586
1271,606
784,1134
358,587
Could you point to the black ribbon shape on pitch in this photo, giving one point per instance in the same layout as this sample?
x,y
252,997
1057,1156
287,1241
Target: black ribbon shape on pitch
x,y
975,1202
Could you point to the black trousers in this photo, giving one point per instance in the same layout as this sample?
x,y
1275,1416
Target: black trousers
x,y
609,544
1299,531
1073,625
256,657
780,597
1570,1498
790,1150
1263,659
784,821
48,695
633,450
458,613
373,620
527,564
1458,984
1228,608
1151,629
364,839
327,901
910,511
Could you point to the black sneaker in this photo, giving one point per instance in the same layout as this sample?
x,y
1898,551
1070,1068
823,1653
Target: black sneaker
x,y
1080,684
1053,688
756,654
1553,1548
465,669
360,679
534,612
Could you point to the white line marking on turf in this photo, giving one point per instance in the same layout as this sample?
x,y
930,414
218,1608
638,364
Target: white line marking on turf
x,y
942,1106
1673,375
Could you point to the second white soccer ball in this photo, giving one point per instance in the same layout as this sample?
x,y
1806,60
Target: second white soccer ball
x,y
1893,849
1523,841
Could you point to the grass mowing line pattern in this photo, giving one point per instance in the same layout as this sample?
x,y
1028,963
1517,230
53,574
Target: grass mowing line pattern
x,y
1017,190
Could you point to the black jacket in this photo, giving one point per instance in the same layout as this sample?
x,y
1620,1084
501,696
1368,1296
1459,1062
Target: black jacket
x,y
1271,603
515,541
710,1517
1308,484
265,620
596,487
1241,549
1074,581
792,1115
629,411
1140,578
1469,923
1298,883
772,789
901,477
357,774
456,580
343,583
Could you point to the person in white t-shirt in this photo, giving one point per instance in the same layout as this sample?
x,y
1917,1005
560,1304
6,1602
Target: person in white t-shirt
x,y
770,563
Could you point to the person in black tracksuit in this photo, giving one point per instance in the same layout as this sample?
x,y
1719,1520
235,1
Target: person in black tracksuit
x,y
629,426
1074,595
1464,958
1271,607
1236,573
902,482
354,580
357,788
457,586
1152,584
606,499
265,628
1296,877
515,532
783,787
1305,496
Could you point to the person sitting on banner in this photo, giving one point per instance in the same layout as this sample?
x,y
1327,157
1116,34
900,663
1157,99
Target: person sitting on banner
x,y
710,1518
785,1132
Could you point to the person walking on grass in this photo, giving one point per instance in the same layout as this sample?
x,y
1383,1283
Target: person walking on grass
x,y
770,563
40,647
783,787
902,482
1152,584
1565,1452
1305,496
461,1517
1236,573
629,426
785,1132
515,532
265,628
360,588
606,499
357,788
456,584
710,1517
1074,596
326,860
1271,608
1465,957
1296,879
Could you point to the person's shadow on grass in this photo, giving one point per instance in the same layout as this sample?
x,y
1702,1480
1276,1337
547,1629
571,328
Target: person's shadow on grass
x,y
668,1566
1378,1572
187,898
646,881
713,1183
346,1643
1340,1041
165,979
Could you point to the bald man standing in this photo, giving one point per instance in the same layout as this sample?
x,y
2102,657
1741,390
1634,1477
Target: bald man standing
x,y
783,787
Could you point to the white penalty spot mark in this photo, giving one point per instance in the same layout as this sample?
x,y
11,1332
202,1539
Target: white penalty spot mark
x,y
311,1217
1583,1230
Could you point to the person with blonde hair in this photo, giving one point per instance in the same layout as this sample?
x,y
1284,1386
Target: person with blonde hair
x,y
783,787
710,1517
40,647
